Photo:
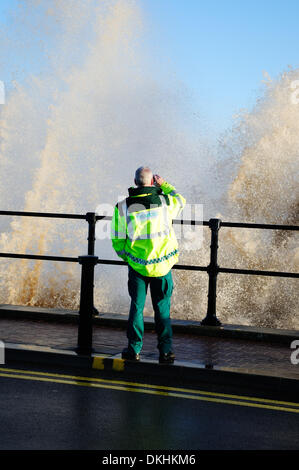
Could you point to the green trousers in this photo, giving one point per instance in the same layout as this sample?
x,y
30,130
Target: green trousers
x,y
161,289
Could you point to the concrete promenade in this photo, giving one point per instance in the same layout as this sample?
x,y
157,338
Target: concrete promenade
x,y
228,354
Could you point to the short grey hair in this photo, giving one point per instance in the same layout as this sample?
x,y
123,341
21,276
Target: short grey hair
x,y
143,176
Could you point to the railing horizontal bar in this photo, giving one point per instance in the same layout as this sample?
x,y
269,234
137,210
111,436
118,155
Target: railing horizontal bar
x,y
190,222
176,221
188,267
176,266
39,257
262,226
223,224
108,261
44,214
103,217
257,272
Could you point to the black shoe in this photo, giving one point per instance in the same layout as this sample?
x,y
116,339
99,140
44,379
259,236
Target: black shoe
x,y
130,355
167,358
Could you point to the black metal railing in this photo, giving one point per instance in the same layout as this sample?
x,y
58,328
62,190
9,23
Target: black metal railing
x,y
89,261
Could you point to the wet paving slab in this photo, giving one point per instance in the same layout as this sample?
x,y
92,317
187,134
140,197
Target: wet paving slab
x,y
265,357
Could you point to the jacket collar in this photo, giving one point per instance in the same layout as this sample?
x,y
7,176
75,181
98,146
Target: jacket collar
x,y
144,190
148,196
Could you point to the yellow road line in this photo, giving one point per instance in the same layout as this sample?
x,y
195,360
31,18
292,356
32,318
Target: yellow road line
x,y
82,382
151,386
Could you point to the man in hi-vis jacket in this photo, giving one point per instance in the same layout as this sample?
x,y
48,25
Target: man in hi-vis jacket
x,y
143,236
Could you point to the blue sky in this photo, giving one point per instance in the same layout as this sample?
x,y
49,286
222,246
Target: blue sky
x,y
219,49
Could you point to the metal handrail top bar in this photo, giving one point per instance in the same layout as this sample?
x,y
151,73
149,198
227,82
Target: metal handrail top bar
x,y
222,224
262,226
44,214
176,221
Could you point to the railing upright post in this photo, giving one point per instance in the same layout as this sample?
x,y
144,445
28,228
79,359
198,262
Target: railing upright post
x,y
91,219
86,311
211,318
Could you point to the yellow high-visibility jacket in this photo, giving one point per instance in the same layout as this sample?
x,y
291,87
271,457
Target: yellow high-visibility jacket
x,y
142,232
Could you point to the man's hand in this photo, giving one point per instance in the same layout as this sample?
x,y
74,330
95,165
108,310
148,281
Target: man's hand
x,y
158,180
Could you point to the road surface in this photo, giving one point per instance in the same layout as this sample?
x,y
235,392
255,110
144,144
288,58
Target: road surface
x,y
47,408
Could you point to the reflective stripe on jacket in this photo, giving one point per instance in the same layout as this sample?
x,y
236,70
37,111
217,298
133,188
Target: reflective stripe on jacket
x,y
142,232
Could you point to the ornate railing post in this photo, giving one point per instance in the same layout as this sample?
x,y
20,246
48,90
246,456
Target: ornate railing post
x,y
91,219
86,310
211,318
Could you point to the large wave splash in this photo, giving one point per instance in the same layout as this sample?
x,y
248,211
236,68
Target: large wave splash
x,y
73,133
258,169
